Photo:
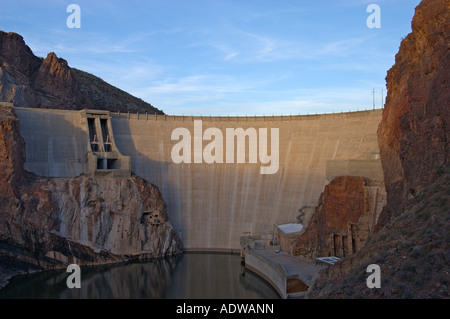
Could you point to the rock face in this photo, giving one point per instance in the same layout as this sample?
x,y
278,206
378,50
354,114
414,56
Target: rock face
x,y
54,84
411,250
414,132
11,159
411,241
347,213
48,223
12,145
116,215
29,81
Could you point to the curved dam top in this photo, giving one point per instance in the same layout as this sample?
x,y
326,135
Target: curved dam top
x,y
216,194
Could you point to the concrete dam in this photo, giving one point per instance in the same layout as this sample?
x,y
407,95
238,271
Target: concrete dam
x,y
211,205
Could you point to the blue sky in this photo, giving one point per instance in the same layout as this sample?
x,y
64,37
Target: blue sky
x,y
228,57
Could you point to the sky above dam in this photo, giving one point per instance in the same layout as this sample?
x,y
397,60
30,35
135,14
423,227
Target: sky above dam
x,y
227,57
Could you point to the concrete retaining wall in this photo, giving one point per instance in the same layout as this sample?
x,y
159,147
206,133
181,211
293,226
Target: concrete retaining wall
x,y
273,273
211,205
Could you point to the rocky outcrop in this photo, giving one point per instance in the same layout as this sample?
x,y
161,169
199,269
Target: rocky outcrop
x,y
347,213
113,215
48,223
410,244
29,81
411,250
17,55
54,84
414,132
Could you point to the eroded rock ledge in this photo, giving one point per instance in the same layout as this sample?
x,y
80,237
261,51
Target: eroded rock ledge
x,y
345,218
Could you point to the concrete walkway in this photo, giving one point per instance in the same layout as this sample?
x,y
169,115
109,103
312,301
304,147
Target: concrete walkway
x,y
291,264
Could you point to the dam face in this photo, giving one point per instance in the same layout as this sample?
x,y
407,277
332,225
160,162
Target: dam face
x,y
212,205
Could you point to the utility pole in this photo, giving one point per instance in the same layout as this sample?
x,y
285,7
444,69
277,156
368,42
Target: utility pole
x,y
373,92
382,98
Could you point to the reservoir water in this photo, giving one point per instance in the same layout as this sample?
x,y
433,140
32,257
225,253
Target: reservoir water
x,y
186,276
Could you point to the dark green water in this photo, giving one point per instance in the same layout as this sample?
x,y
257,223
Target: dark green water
x,y
187,276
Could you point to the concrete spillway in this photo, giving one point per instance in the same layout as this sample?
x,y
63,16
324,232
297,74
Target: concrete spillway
x,y
212,205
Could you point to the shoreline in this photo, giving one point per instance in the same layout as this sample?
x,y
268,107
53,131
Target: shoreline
x,y
6,274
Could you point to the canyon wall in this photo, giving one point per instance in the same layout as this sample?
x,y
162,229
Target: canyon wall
x,y
414,132
410,244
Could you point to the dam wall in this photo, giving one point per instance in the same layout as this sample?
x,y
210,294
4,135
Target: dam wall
x,y
56,142
212,205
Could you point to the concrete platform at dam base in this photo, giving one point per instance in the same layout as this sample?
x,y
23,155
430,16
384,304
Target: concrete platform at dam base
x,y
210,205
290,276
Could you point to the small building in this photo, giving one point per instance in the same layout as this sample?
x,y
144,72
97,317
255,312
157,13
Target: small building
x,y
326,261
287,234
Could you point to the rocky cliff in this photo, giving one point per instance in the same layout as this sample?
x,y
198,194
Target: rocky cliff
x,y
30,81
414,132
345,217
48,223
411,241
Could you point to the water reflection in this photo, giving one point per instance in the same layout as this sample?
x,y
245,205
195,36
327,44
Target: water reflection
x,y
191,275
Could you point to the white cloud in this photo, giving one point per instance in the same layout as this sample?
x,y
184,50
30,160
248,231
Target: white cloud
x,y
205,95
342,48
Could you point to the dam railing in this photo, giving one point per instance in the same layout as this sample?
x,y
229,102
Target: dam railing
x,y
237,118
